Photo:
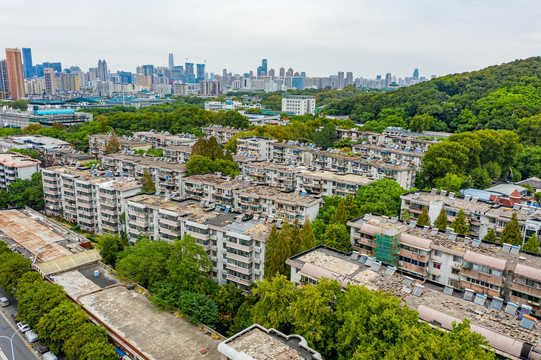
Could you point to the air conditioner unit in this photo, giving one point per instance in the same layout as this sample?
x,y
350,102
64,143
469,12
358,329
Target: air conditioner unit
x,y
400,263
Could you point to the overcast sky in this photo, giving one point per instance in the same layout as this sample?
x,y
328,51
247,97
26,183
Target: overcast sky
x,y
319,37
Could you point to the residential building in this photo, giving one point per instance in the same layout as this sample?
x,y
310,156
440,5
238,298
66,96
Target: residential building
x,y
212,188
493,317
63,156
222,133
177,154
258,148
235,243
31,142
259,343
534,182
97,144
164,139
50,82
101,71
15,73
4,81
166,176
14,166
481,215
86,197
298,104
391,154
46,118
449,259
272,174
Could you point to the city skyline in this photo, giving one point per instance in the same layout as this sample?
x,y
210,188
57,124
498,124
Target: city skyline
x,y
367,39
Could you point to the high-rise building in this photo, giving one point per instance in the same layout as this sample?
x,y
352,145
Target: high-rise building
x,y
125,77
416,74
349,78
388,79
4,82
282,72
56,66
171,61
189,75
38,70
200,72
15,73
102,72
289,72
69,82
224,72
264,66
341,80
27,63
147,70
49,79
272,73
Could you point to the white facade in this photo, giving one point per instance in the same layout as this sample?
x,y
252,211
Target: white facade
x,y
16,166
258,148
298,104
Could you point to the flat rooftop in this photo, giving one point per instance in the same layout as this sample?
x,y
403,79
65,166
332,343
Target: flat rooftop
x,y
147,161
31,235
338,177
158,334
214,179
17,160
286,198
85,174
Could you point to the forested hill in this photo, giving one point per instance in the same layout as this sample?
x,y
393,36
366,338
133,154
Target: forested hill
x,y
496,97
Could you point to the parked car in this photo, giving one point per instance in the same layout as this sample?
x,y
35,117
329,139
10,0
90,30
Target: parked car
x,y
31,336
4,301
49,356
23,326
14,317
41,347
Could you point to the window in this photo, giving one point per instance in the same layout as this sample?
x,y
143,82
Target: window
x,y
437,253
455,271
436,265
457,259
435,277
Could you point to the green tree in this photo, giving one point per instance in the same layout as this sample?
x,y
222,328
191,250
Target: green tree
x,y
270,249
532,245
459,225
511,232
340,216
441,221
295,240
229,299
198,308
405,215
109,246
325,137
490,236
444,157
307,236
313,315
481,178
145,263
272,309
98,350
113,145
529,161
281,253
337,236
380,197
494,169
38,301
423,219
12,267
421,123
450,182
200,165
148,183
187,263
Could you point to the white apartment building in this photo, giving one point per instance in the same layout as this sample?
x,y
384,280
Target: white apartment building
x,y
235,243
298,104
222,133
166,175
97,144
481,215
246,197
257,148
15,166
164,139
86,198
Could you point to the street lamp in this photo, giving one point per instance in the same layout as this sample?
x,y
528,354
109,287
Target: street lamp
x,y
11,343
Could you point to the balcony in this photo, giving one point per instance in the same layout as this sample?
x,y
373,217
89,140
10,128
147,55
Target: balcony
x,y
170,232
491,279
414,268
198,236
109,211
238,269
108,196
110,227
238,280
246,260
478,288
526,289
414,256
170,222
239,246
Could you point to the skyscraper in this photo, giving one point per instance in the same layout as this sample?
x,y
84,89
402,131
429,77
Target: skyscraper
x,y
15,73
188,73
4,82
171,61
349,78
48,77
102,72
27,63
282,72
148,69
200,72
416,74
289,72
341,80
387,79
272,73
264,66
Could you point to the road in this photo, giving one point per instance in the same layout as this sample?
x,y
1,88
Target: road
x,y
7,328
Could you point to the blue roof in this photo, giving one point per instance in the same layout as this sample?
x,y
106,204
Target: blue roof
x,y
54,112
480,194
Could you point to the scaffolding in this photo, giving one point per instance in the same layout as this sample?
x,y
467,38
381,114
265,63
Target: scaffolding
x,y
386,247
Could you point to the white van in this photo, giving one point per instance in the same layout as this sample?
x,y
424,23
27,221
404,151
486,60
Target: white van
x,y
31,336
49,356
4,301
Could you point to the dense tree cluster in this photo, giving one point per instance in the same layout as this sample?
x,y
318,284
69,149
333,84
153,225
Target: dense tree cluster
x,y
359,323
23,192
59,323
497,97
285,243
207,156
380,197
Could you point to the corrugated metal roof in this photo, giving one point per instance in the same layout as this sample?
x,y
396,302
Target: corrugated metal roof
x,y
70,262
